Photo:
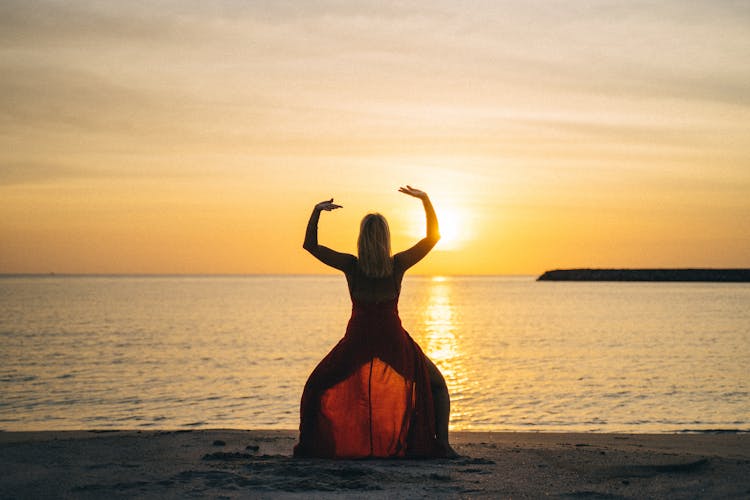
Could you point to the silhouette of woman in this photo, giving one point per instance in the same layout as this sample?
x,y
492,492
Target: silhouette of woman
x,y
375,394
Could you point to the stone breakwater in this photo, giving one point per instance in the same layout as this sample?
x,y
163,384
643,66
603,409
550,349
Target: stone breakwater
x,y
704,275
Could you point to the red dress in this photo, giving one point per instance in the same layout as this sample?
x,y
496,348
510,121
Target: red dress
x,y
370,396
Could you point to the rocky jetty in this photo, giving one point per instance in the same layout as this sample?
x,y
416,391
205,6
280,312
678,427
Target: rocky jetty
x,y
705,275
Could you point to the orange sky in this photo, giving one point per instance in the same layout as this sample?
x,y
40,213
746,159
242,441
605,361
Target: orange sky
x,y
195,138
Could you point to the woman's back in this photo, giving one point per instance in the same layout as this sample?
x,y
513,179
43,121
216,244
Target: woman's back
x,y
368,289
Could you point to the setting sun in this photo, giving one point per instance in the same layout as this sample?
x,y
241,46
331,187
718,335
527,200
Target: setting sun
x,y
455,229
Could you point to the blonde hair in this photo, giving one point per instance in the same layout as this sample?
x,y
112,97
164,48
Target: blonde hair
x,y
374,246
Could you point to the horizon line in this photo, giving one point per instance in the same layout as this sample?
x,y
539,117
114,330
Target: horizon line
x,y
136,274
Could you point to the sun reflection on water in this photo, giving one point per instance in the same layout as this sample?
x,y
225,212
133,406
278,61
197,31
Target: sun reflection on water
x,y
440,324
438,321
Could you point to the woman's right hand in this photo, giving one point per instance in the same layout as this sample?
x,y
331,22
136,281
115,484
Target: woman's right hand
x,y
327,205
413,192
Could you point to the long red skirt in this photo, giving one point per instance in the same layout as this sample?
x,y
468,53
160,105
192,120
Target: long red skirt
x,y
370,396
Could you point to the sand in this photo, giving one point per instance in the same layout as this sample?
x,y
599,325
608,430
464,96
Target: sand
x,y
258,464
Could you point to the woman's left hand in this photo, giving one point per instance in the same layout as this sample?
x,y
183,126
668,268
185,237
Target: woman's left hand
x,y
327,205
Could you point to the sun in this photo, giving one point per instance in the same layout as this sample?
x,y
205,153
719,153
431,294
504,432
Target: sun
x,y
455,228
451,230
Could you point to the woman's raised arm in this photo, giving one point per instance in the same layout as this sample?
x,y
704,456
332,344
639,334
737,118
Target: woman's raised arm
x,y
327,256
409,257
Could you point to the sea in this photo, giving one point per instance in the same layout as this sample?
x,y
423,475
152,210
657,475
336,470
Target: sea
x,y
194,352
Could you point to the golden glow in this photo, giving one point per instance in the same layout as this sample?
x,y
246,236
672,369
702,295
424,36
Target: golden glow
x,y
132,147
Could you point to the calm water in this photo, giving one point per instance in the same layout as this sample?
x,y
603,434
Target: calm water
x,y
234,352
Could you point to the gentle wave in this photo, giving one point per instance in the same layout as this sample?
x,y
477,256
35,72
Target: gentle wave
x,y
234,352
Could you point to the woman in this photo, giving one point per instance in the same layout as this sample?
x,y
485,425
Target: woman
x,y
375,394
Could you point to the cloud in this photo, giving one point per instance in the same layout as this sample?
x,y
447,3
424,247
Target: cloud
x,y
44,23
33,173
275,76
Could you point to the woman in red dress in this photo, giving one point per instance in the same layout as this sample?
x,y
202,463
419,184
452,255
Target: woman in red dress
x,y
375,394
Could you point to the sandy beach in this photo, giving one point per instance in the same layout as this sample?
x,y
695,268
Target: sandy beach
x,y
241,464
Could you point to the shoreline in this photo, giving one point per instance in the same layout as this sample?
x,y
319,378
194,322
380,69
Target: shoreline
x,y
249,463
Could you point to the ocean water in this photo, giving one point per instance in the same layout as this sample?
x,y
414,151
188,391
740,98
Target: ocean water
x,y
131,352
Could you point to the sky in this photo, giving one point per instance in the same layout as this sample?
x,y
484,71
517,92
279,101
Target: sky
x,y
195,137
